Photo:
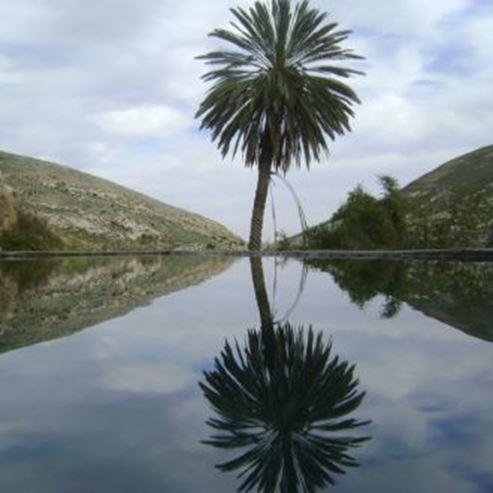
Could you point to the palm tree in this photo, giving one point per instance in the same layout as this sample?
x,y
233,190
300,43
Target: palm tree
x,y
276,94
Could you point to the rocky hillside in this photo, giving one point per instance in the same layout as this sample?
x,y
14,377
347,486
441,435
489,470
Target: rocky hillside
x,y
452,206
89,213
47,299
470,173
449,207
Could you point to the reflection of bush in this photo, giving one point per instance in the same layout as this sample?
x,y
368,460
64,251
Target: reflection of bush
x,y
457,293
364,280
29,274
283,398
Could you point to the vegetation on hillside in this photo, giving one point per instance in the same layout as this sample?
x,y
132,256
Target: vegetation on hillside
x,y
455,219
30,233
364,221
450,207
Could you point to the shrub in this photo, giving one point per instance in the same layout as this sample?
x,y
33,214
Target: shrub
x,y
31,233
364,221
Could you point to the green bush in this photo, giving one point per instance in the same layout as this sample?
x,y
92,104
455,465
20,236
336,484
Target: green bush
x,y
364,222
31,234
282,243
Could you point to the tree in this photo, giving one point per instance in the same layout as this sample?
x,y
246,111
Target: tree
x,y
276,95
364,221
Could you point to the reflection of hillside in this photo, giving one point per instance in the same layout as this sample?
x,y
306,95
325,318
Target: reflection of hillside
x,y
43,300
459,294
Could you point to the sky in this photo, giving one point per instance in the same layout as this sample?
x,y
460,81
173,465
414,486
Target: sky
x,y
111,88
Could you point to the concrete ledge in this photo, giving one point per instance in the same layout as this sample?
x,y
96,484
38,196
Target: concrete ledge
x,y
485,254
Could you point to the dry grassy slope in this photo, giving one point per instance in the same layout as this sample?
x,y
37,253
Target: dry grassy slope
x,y
470,173
92,213
455,201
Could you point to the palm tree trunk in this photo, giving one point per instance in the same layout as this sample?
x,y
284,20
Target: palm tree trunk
x,y
255,242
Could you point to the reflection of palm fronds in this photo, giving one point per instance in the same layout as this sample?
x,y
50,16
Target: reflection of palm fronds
x,y
284,398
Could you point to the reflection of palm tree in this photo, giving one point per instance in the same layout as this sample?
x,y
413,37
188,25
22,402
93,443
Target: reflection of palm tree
x,y
284,402
260,291
284,399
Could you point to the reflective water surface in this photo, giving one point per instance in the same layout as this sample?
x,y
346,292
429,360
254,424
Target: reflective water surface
x,y
187,374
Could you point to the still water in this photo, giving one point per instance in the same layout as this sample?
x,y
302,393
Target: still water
x,y
192,374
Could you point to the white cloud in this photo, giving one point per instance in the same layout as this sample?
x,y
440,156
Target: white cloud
x,y
146,121
402,17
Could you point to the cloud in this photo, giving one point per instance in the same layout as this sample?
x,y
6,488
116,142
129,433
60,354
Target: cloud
x,y
112,88
401,17
147,121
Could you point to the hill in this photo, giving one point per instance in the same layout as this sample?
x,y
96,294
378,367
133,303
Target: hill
x,y
449,207
452,206
83,212
470,173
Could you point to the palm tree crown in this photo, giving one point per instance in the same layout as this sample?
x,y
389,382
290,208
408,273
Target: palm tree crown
x,y
277,96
